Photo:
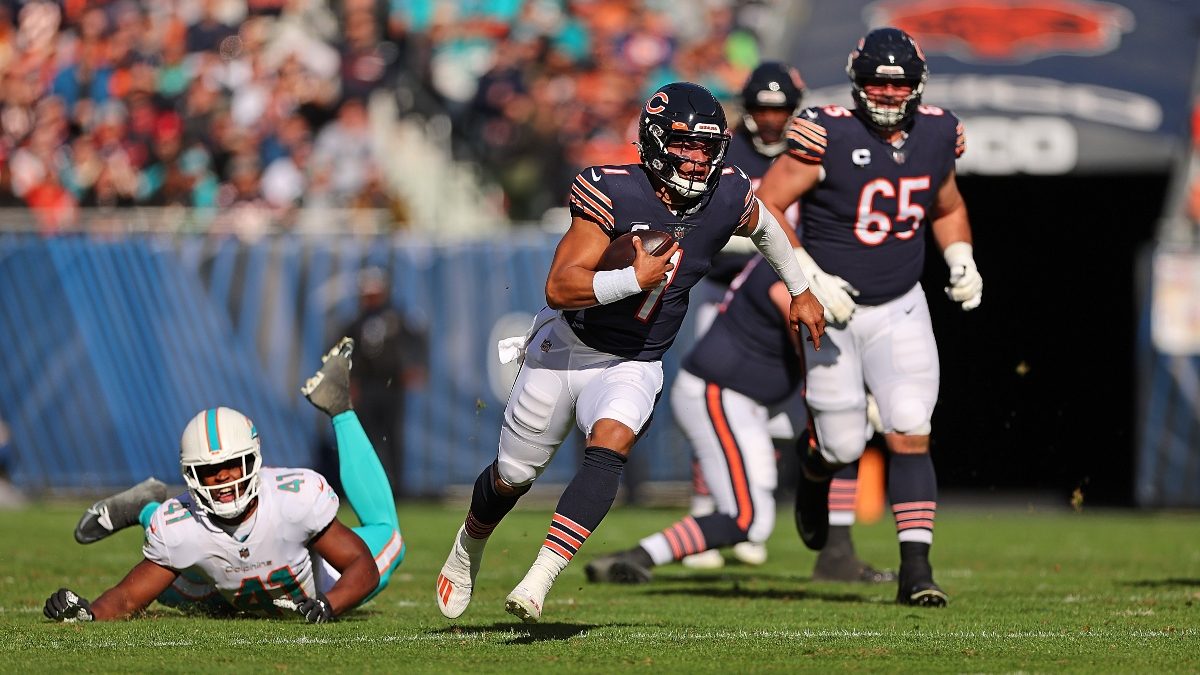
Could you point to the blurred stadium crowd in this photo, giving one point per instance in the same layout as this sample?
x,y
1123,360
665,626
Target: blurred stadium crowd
x,y
255,108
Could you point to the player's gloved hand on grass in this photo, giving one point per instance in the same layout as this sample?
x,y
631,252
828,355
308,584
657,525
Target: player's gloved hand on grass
x,y
835,293
66,605
966,284
315,610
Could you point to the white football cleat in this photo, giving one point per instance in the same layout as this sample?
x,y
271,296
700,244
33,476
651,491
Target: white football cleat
x,y
750,553
527,599
704,560
457,578
524,605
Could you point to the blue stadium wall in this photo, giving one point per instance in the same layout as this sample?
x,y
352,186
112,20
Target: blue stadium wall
x,y
110,345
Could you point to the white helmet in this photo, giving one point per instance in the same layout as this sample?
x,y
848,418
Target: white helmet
x,y
213,437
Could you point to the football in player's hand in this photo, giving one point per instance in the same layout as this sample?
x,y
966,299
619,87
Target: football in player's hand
x,y
620,253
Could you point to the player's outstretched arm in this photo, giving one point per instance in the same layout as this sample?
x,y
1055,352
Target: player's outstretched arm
x,y
348,554
952,230
145,582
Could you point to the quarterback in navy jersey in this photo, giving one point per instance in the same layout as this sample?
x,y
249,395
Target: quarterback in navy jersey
x,y
592,357
872,181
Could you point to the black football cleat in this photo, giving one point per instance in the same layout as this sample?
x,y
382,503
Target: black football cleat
x,y
119,511
329,388
618,568
849,569
921,593
812,512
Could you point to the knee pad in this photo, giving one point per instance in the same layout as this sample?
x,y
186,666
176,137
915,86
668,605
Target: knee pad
x,y
521,460
525,449
841,436
910,416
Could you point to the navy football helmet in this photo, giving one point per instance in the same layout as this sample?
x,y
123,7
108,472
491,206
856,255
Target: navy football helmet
x,y
682,112
772,85
883,55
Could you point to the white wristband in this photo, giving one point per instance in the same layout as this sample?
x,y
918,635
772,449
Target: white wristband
x,y
613,285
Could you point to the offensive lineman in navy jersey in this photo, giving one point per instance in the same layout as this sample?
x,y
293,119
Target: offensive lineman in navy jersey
x,y
873,180
593,355
771,97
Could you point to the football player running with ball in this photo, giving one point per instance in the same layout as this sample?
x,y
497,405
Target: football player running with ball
x,y
873,180
248,539
593,356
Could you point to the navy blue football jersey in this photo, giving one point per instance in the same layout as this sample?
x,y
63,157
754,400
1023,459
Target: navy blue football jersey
x,y
866,220
621,199
747,349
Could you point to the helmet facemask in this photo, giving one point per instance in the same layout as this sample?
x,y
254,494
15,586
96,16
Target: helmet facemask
x,y
656,150
678,115
771,86
889,116
214,438
768,149
883,56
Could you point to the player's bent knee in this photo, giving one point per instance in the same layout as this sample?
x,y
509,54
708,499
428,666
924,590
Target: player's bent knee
x,y
522,456
842,446
911,417
520,462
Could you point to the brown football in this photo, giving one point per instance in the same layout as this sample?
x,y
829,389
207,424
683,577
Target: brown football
x,y
620,253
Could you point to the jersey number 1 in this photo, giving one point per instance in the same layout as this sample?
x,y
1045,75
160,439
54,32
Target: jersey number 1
x,y
652,298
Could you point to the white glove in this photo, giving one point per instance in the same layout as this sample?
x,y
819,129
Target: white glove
x,y
966,285
833,292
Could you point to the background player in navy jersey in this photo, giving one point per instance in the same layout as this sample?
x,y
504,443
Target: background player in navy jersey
x,y
770,98
727,403
873,180
593,356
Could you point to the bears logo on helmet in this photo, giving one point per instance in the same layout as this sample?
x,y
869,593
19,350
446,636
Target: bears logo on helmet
x,y
683,113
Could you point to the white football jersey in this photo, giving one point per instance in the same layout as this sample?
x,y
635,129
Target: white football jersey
x,y
273,561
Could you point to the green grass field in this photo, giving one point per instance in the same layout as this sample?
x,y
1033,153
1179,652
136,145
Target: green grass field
x,y
1102,591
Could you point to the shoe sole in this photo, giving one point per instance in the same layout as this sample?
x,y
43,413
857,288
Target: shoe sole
x,y
519,609
929,597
